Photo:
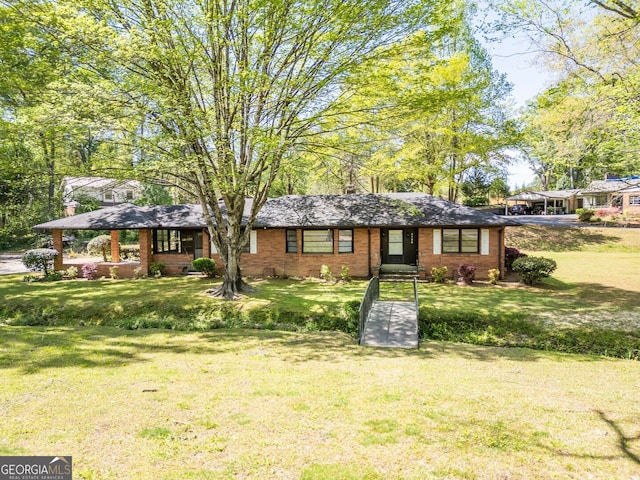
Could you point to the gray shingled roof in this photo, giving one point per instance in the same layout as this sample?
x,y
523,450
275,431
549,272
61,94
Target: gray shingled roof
x,y
354,210
371,210
609,186
119,217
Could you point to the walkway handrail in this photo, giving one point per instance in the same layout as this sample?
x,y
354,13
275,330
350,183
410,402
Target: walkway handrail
x,y
371,294
415,295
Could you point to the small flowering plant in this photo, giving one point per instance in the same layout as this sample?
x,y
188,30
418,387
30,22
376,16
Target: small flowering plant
x,y
466,273
89,271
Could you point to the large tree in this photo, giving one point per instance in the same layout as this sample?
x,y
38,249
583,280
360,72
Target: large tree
x,y
225,88
586,123
440,112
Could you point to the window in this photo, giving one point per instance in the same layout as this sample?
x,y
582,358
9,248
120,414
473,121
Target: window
x,y
460,240
317,241
129,194
345,241
108,196
634,199
251,247
167,241
292,241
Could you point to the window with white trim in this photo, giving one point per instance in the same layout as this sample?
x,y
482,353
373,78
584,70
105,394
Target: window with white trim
x,y
460,240
634,199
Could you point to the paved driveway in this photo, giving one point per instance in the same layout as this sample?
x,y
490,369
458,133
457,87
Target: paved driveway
x,y
11,263
569,220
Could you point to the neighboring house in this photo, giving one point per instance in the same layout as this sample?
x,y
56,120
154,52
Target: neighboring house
x,y
631,200
297,235
108,191
545,202
606,193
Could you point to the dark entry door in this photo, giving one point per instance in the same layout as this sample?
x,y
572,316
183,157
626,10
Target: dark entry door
x,y
400,246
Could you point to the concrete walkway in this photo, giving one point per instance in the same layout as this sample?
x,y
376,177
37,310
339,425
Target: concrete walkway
x,y
391,324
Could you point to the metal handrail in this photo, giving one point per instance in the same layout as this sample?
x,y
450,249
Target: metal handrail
x,y
415,295
371,294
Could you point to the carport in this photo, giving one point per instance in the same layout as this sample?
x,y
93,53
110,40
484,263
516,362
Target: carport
x,y
551,201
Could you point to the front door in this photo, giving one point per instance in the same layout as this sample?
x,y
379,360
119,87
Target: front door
x,y
400,246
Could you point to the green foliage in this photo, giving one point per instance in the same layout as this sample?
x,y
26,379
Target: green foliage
x,y
438,274
113,272
86,203
131,253
515,330
100,245
344,273
156,268
494,276
533,269
154,195
39,259
72,272
584,214
325,273
205,265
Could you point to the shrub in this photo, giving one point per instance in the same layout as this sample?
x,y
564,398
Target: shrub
x,y
533,269
611,212
72,272
53,276
494,276
205,265
39,259
156,268
438,274
510,255
344,274
100,245
584,214
466,273
325,272
89,271
131,253
113,272
137,272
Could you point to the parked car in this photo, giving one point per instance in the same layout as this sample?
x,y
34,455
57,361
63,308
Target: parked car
x,y
519,209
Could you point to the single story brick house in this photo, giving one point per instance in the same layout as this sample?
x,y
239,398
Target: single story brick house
x,y
631,200
608,193
295,235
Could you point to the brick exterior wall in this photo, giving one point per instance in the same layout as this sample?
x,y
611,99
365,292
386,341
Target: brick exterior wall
x,y
627,207
272,259
427,259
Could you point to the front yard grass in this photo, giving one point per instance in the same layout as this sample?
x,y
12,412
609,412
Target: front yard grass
x,y
152,404
590,305
290,401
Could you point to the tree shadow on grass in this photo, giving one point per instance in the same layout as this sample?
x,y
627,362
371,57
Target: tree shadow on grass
x,y
556,239
624,441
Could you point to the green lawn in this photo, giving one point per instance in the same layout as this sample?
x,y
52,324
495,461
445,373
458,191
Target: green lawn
x,y
290,401
152,404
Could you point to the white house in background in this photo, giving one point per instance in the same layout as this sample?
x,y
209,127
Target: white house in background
x,y
108,191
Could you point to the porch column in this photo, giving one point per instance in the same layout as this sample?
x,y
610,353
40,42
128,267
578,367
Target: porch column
x,y
58,262
115,246
145,250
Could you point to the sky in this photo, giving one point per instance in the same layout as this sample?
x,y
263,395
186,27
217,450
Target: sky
x,y
511,57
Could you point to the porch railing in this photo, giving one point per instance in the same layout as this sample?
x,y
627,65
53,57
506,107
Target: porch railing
x,y
371,294
415,296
